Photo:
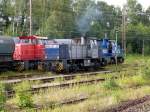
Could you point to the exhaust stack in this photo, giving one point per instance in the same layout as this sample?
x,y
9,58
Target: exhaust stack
x,y
82,40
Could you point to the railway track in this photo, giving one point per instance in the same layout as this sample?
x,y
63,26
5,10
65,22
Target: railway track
x,y
36,88
137,105
66,84
52,78
38,108
45,79
70,101
47,82
21,76
34,75
40,74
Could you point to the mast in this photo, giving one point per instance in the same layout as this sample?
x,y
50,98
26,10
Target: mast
x,y
30,2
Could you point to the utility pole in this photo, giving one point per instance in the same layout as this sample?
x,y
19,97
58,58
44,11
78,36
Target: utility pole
x,y
143,48
30,2
116,52
124,29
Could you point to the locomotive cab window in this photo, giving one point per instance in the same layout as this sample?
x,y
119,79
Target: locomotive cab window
x,y
16,40
44,41
93,43
27,41
39,41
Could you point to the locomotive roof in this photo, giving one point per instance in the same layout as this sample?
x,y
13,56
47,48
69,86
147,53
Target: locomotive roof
x,y
27,37
63,41
5,37
39,37
33,37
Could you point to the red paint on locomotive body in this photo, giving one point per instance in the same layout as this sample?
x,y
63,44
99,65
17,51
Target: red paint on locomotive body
x,y
28,49
39,52
39,49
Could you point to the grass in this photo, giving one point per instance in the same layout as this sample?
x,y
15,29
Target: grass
x,y
99,102
26,73
23,98
110,93
131,84
7,74
2,97
110,84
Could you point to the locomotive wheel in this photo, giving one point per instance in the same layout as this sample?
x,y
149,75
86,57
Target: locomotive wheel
x,y
73,68
104,63
96,66
113,61
121,60
20,67
59,67
40,67
48,67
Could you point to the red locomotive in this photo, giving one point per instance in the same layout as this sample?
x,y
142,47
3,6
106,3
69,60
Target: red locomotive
x,y
28,53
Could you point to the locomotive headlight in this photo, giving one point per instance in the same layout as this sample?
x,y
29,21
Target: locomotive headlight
x,y
104,50
45,57
57,57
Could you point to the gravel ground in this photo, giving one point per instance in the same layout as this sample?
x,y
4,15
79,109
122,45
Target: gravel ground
x,y
138,105
144,107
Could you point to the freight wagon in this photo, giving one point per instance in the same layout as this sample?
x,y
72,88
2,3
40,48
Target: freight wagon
x,y
7,47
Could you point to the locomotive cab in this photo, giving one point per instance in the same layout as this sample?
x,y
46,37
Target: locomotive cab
x,y
117,51
109,50
40,47
24,49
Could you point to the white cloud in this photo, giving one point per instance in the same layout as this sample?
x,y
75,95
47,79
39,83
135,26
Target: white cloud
x,y
145,3
115,2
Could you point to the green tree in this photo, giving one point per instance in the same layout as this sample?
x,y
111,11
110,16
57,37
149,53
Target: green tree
x,y
147,16
60,22
6,13
14,12
134,11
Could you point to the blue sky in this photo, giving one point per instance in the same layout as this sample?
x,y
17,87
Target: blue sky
x,y
145,3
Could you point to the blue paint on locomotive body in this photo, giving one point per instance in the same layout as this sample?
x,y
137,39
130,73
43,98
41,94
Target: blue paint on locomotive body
x,y
56,52
105,52
52,52
103,45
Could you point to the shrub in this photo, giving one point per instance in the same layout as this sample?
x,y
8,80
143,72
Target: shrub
x,y
117,96
23,95
2,97
133,81
146,74
110,84
6,74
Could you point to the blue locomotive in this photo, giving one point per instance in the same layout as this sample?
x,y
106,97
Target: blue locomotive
x,y
111,52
